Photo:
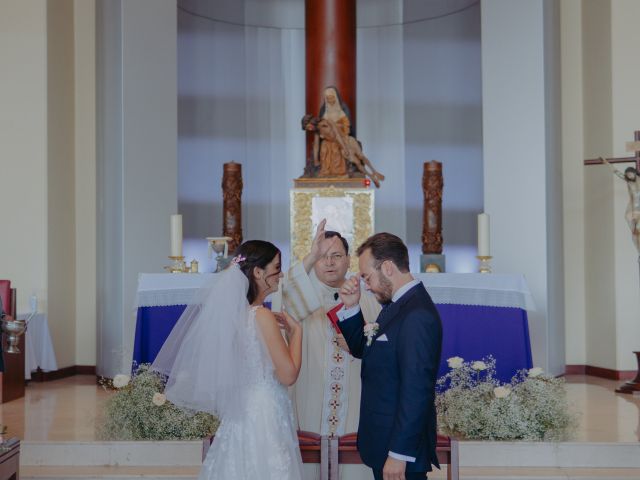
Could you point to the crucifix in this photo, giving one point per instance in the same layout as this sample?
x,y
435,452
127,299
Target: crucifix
x,y
631,176
631,147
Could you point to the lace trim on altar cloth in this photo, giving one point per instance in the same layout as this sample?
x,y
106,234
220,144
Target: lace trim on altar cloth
x,y
488,298
165,298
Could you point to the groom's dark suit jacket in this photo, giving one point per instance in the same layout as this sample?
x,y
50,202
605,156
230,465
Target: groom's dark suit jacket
x,y
397,409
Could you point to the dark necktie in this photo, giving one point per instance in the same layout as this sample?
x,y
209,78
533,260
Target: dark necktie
x,y
385,308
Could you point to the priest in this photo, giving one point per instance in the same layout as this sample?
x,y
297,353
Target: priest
x,y
326,396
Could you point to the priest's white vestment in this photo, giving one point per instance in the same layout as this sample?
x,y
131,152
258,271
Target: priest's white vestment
x,y
326,397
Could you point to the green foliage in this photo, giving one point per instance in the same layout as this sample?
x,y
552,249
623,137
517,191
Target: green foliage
x,y
139,411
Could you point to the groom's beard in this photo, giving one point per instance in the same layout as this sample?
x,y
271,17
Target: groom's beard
x,y
385,292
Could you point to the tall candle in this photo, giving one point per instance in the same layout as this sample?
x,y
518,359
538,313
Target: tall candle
x,y
483,235
176,235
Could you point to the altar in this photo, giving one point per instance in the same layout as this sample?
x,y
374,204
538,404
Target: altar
x,y
482,314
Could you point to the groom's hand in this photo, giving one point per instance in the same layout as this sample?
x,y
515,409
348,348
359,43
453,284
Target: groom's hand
x,y
350,292
394,469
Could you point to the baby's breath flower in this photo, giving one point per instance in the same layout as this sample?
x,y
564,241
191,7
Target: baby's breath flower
x,y
501,392
121,380
534,372
478,365
159,399
455,362
480,407
129,413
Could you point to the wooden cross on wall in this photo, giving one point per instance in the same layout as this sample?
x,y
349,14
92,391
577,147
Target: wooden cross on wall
x,y
631,147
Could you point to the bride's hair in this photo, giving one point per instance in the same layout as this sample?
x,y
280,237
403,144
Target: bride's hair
x,y
251,254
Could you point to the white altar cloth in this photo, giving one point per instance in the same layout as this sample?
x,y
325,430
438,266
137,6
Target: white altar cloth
x,y
492,290
38,345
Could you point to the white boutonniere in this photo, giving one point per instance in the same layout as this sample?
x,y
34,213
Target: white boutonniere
x,y
370,330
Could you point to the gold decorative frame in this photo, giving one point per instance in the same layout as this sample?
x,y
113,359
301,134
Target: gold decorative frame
x,y
301,217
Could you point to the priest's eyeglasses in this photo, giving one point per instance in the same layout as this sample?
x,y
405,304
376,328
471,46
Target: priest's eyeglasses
x,y
333,258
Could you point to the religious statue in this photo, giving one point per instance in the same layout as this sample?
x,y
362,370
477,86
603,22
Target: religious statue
x,y
336,152
632,213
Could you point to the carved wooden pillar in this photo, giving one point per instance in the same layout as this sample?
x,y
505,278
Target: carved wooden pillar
x,y
330,47
432,184
232,204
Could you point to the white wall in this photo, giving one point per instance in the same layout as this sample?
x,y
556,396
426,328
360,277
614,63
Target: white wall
x,y
137,170
61,251
517,155
85,180
443,121
626,118
602,275
573,182
23,148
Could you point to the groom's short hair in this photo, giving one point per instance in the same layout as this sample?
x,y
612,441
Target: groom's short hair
x,y
387,246
331,234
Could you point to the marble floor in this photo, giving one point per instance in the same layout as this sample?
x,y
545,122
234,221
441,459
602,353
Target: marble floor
x,y
67,409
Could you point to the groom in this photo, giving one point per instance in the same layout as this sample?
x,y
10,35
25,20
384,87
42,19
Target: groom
x,y
400,359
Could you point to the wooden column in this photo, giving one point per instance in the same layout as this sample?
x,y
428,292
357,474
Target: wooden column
x,y
330,42
432,184
232,204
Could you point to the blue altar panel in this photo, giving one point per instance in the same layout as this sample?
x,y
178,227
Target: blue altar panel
x,y
469,331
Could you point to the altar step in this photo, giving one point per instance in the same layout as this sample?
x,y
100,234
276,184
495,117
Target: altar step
x,y
108,472
181,461
191,473
110,460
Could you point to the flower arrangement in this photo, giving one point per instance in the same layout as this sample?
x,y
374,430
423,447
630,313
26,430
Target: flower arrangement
x,y
473,404
139,410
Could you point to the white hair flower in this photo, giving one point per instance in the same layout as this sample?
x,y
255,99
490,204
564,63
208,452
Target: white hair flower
x,y
159,399
121,380
455,362
478,365
534,372
501,392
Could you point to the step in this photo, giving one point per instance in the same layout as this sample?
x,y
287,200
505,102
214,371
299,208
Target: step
x,y
133,454
550,455
191,473
107,473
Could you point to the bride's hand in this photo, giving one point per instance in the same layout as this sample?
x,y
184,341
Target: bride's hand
x,y
287,322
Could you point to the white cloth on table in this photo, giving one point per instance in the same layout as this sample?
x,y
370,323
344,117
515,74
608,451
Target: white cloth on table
x,y
484,289
38,345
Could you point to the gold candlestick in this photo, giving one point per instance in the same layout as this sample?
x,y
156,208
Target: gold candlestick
x,y
485,265
178,265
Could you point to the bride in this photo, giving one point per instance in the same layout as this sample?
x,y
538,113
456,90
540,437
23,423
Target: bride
x,y
226,356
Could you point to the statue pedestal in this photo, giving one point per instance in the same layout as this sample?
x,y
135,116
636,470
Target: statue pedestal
x,y
432,263
327,182
632,385
348,210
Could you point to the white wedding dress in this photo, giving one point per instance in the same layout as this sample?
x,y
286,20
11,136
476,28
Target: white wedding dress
x,y
216,361
262,443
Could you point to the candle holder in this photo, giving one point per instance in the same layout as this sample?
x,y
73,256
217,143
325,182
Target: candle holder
x,y
220,245
485,263
178,265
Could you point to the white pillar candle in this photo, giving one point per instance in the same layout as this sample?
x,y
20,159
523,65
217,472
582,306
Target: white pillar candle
x,y
176,235
483,235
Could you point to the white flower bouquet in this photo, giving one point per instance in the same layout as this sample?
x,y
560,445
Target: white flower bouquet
x,y
473,404
139,410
